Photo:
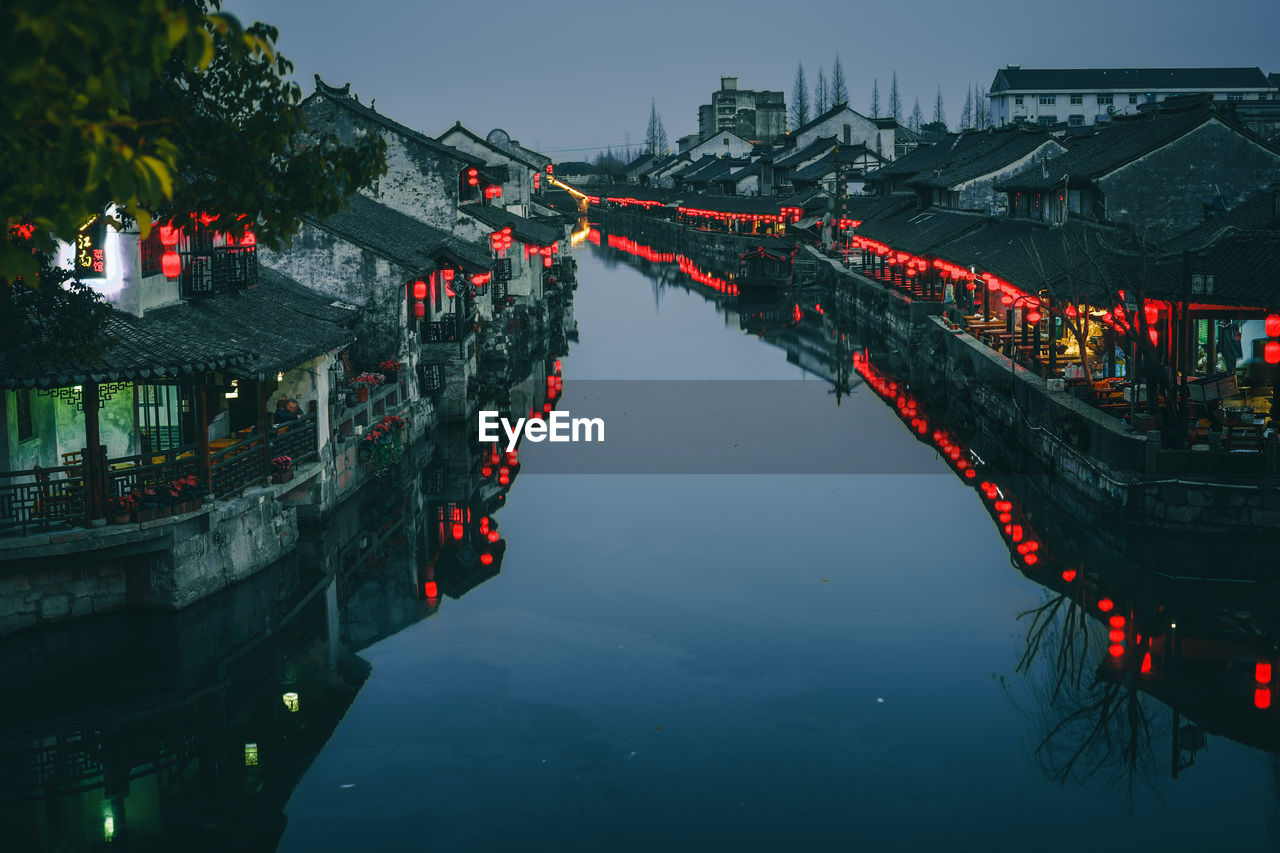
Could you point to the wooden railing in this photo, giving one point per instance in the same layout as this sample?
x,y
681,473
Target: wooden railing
x,y
42,499
39,499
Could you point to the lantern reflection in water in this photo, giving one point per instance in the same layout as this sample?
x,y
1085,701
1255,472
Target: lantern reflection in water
x,y
291,702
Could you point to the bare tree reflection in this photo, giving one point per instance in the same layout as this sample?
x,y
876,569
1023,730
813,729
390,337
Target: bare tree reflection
x,y
1094,721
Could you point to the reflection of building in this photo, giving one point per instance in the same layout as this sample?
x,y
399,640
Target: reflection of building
x,y
760,116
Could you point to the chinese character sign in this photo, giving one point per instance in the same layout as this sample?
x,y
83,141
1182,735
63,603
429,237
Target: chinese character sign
x,y
91,259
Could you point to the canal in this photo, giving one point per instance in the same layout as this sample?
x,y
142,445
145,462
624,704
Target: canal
x,y
679,656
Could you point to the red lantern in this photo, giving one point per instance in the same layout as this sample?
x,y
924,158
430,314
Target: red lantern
x,y
486,559
1106,604
1117,650
1033,316
1273,325
1152,312
419,309
431,590
168,235
1262,698
457,531
1262,672
419,290
171,264
1271,352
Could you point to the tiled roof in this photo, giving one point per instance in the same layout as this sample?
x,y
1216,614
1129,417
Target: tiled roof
x,y
274,326
988,152
1242,264
867,207
713,171
1067,80
342,97
282,323
522,229
813,149
916,160
1256,212
919,231
1123,140
413,245
846,154
1033,255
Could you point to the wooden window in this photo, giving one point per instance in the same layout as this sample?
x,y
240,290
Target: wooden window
x,y
150,251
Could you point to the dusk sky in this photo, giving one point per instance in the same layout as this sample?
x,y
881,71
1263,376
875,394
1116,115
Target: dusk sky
x,y
574,75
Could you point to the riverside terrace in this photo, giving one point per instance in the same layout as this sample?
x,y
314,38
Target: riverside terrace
x,y
181,392
1054,300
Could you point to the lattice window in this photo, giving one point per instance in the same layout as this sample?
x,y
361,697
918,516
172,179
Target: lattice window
x,y
150,250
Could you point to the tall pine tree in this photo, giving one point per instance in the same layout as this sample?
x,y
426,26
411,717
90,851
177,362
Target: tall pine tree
x,y
939,116
821,96
917,117
839,88
895,100
799,98
875,97
655,136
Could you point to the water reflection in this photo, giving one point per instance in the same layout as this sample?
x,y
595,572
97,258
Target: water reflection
x,y
190,730
1142,648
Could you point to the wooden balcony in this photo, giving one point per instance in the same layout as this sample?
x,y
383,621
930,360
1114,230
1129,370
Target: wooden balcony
x,y
46,499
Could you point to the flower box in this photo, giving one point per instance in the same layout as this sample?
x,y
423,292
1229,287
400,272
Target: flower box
x,y
282,476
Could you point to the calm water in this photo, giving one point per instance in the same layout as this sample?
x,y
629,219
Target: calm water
x,y
671,661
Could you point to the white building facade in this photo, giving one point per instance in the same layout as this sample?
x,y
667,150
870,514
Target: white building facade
x,y
1086,96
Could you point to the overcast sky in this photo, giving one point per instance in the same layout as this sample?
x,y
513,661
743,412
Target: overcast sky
x,y
574,75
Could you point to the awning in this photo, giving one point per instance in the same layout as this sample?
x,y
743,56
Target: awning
x,y
807,222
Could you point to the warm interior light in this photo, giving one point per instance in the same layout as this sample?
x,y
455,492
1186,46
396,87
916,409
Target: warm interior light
x,y
291,701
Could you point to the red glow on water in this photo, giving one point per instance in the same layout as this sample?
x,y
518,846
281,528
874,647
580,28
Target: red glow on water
x,y
457,531
486,559
1069,575
1116,650
1105,604
431,590
1146,662
493,536
1116,621
1031,559
1116,636
1262,672
1262,697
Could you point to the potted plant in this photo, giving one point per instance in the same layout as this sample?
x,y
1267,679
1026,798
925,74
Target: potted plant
x,y
384,441
185,493
122,507
390,367
151,504
281,469
364,382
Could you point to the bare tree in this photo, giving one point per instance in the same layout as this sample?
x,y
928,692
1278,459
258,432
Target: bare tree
x,y
655,137
821,97
839,88
966,112
939,116
895,100
875,98
917,117
981,110
799,98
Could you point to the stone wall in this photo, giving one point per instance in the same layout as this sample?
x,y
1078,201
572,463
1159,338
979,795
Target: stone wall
x,y
164,564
